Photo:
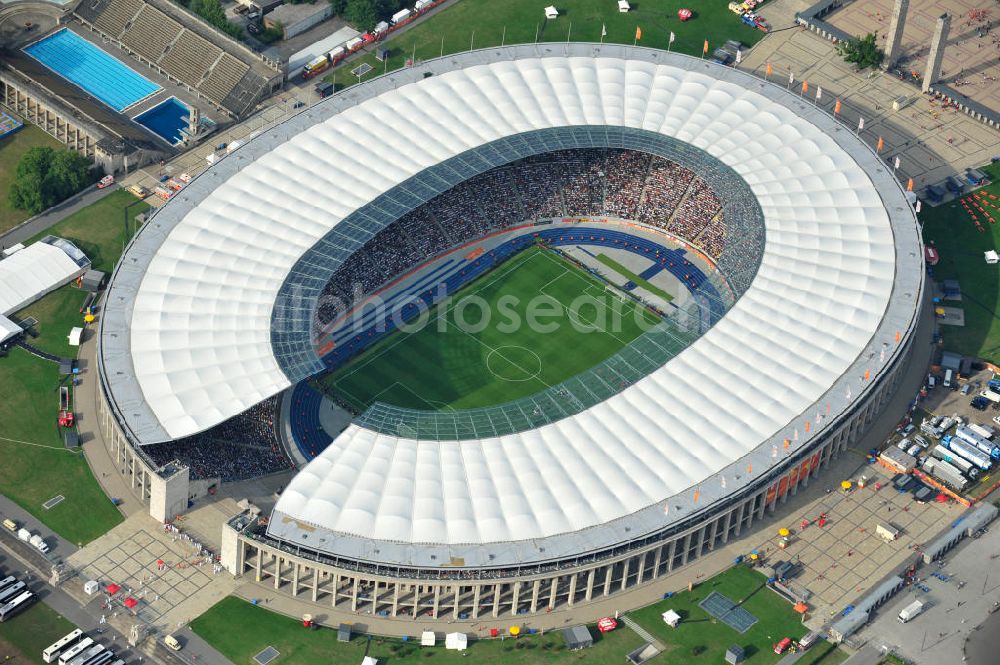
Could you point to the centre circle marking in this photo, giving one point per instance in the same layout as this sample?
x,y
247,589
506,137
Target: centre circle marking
x,y
523,359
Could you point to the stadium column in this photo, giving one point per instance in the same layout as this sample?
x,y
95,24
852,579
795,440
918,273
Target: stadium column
x,y
315,584
515,597
416,600
535,590
714,532
295,578
608,572
657,559
553,590
728,524
739,518
277,570
458,596
354,594
260,564
496,600
335,588
437,599
375,597
626,564
590,584
672,552
476,591
395,598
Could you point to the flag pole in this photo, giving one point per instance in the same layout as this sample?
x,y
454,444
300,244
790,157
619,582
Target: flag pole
x,y
442,46
472,40
503,37
569,32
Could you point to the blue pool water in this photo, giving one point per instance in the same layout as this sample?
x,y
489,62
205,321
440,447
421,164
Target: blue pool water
x,y
166,119
103,76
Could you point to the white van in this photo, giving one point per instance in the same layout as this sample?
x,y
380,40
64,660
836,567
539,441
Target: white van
x,y
931,381
947,378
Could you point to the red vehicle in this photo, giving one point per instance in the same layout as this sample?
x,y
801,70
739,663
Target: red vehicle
x,y
606,625
105,181
66,417
782,646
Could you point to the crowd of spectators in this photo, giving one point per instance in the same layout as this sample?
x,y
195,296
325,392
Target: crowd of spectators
x,y
713,237
697,209
664,189
243,447
566,183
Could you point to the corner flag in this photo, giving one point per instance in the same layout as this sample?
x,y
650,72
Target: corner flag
x,y
638,33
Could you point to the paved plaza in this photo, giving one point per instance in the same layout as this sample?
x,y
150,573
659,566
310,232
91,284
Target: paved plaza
x,y
845,557
957,606
932,143
971,62
168,594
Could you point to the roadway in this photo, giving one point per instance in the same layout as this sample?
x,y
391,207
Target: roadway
x,y
53,215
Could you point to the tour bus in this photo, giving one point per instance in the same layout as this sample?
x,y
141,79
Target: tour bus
x,y
102,658
88,655
75,650
16,605
12,591
7,581
51,653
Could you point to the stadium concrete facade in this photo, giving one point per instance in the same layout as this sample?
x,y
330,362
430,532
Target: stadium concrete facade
x,y
210,310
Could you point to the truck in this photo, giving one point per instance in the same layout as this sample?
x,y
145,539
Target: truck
x,y
984,431
39,543
946,473
968,451
23,534
324,89
962,464
970,436
887,532
911,611
66,417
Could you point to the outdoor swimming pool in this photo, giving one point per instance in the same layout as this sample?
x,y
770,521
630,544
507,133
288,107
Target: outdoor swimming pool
x,y
86,65
166,120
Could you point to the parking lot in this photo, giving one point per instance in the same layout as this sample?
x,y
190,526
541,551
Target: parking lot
x,y
959,601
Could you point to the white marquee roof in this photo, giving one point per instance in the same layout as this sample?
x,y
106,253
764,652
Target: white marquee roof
x,y
200,346
32,272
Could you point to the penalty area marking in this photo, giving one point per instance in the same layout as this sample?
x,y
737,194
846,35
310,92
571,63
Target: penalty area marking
x,y
53,502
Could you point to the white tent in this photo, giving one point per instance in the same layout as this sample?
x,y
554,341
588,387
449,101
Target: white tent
x,y
992,256
8,329
671,618
36,270
368,660
623,6
456,641
74,336
427,639
551,12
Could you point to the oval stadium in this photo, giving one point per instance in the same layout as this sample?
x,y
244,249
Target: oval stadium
x,y
585,312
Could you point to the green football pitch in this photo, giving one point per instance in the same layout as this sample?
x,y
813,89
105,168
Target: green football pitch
x,y
531,323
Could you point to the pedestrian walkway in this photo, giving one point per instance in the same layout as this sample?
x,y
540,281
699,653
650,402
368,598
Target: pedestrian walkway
x,y
53,215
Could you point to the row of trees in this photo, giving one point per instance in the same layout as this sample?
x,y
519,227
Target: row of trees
x,y
364,14
44,177
212,11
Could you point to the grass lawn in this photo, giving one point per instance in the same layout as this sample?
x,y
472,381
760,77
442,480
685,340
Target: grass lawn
x,y
485,23
24,636
240,630
12,147
454,362
99,229
776,620
961,248
35,465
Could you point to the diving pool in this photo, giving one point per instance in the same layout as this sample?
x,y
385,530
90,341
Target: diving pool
x,y
166,120
89,67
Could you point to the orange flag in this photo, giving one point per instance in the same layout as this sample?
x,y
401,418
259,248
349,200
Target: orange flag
x,y
836,107
879,145
638,33
769,69
909,185
805,87
704,49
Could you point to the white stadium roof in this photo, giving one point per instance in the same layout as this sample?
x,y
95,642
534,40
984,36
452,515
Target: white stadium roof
x,y
197,290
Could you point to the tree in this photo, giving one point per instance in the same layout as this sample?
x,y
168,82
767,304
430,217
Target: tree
x,y
212,11
362,13
862,52
338,6
45,177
